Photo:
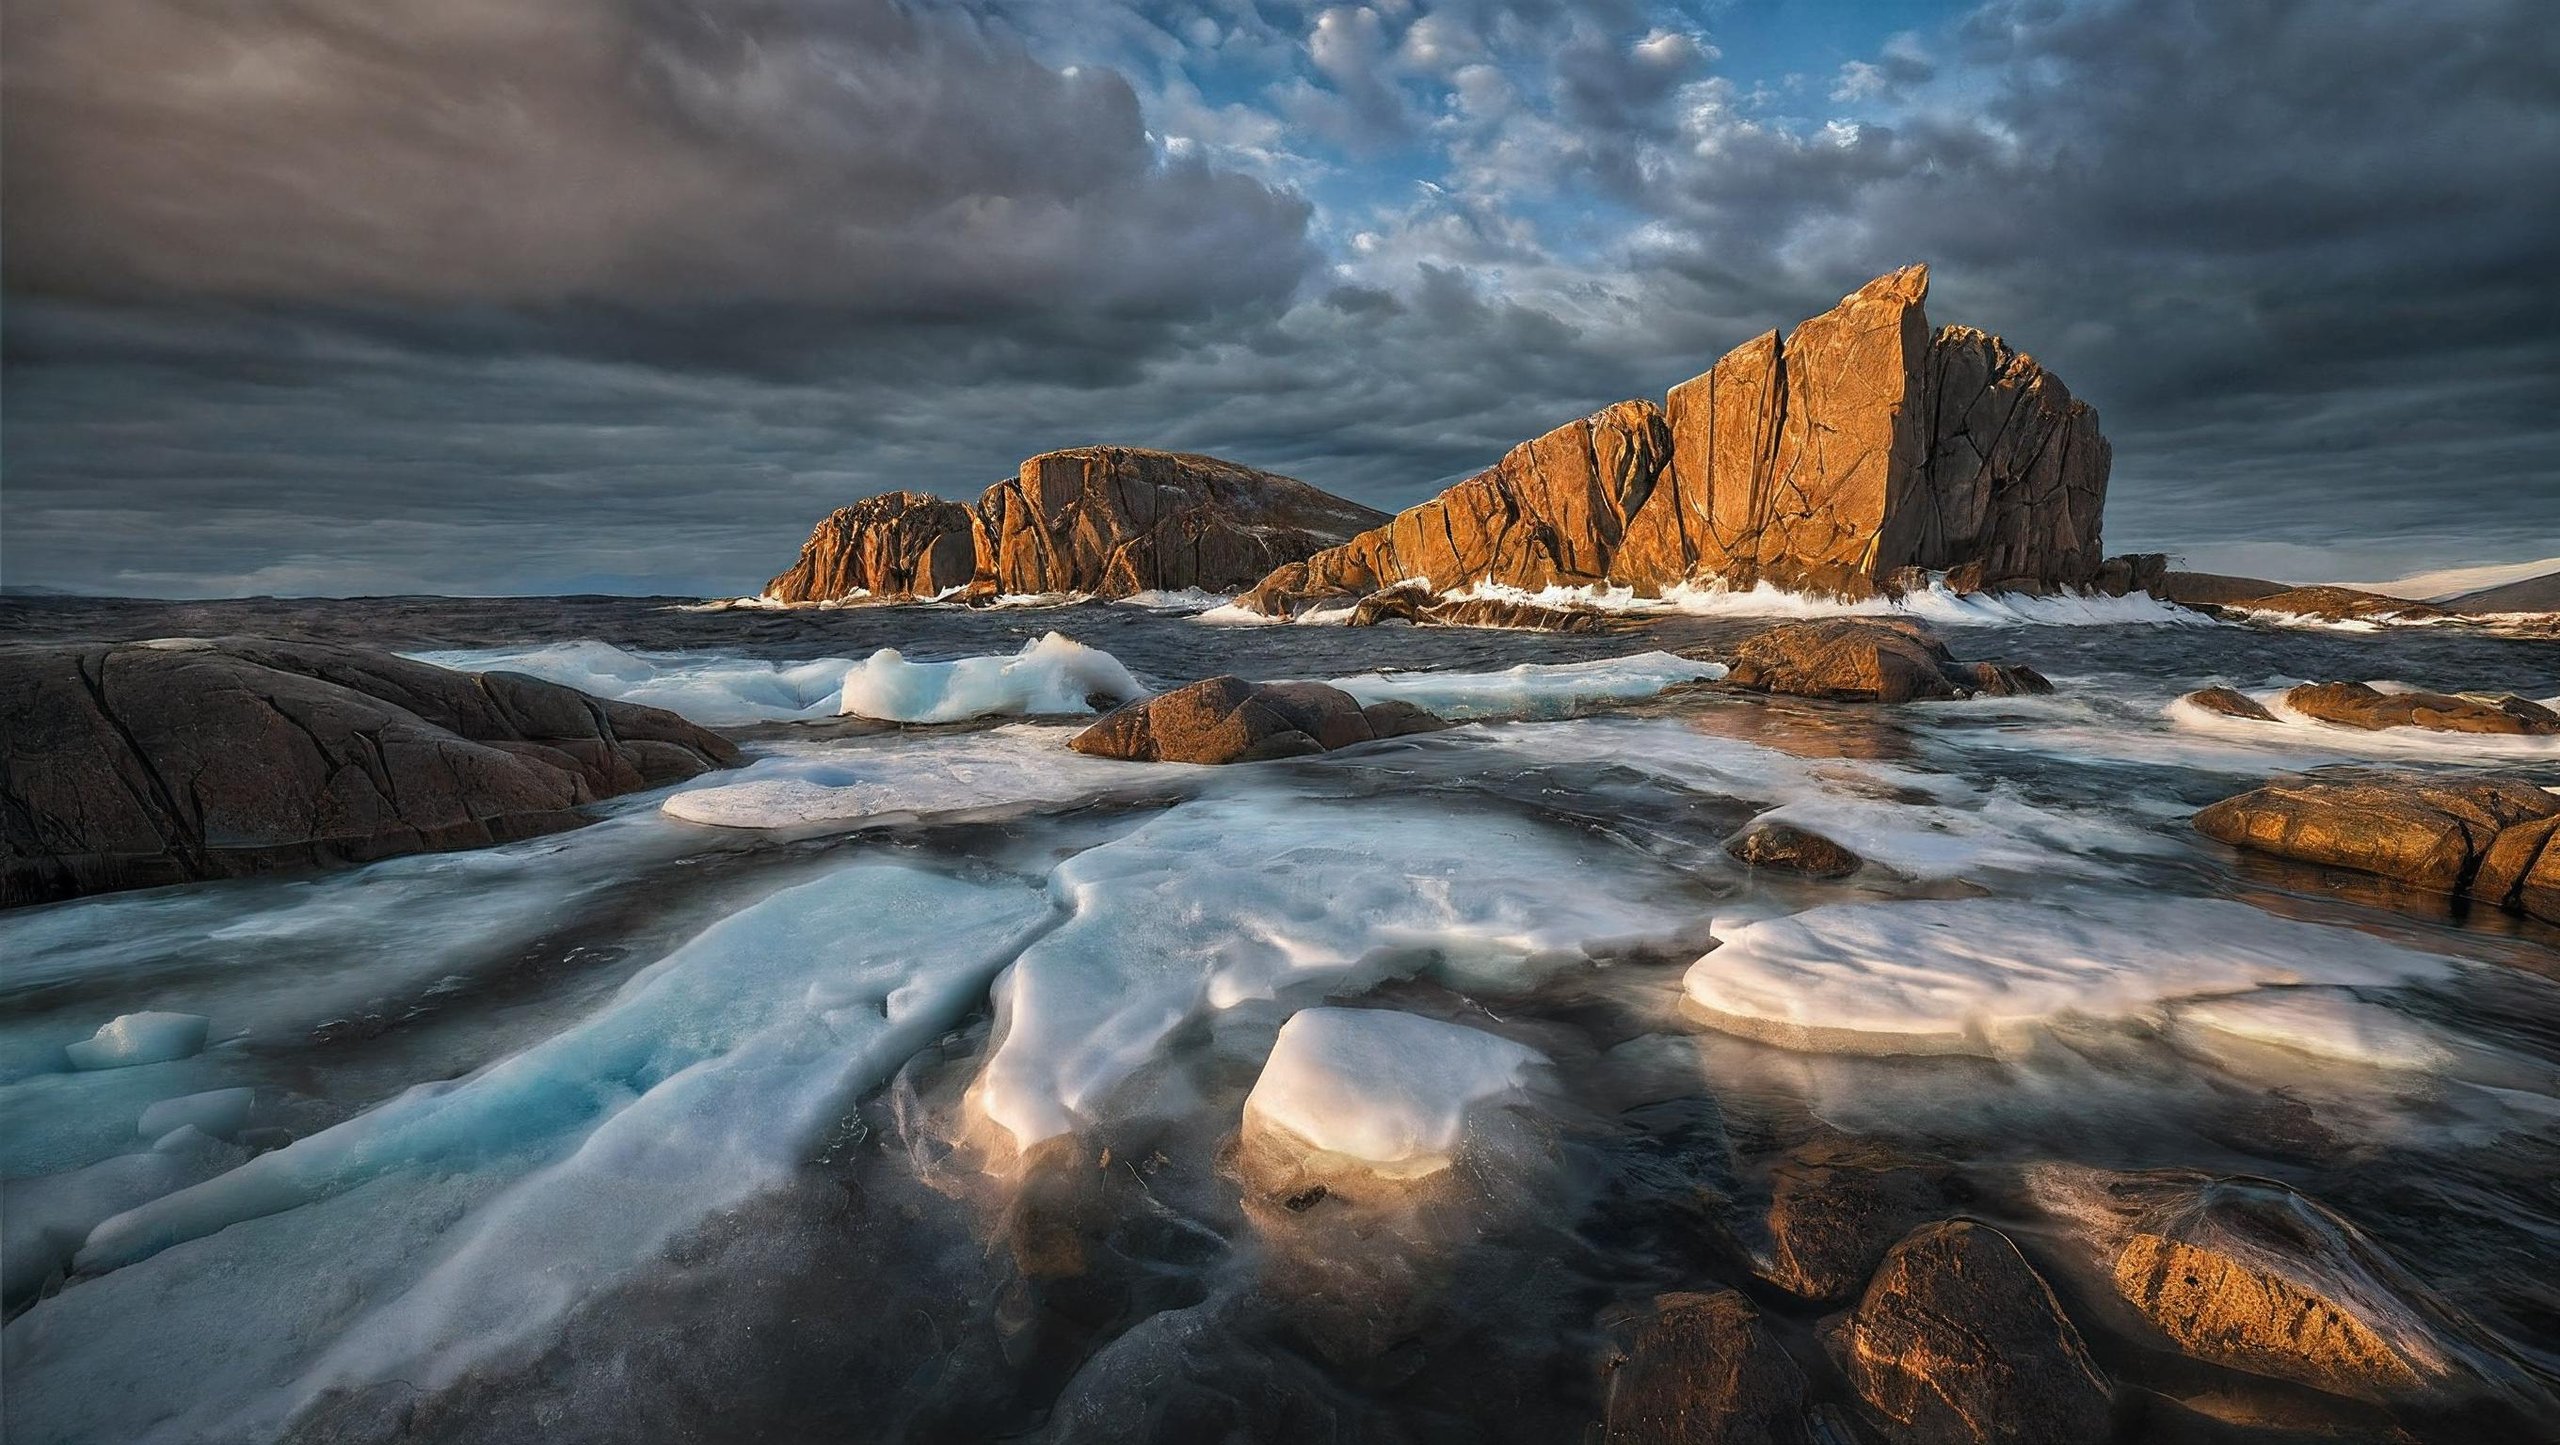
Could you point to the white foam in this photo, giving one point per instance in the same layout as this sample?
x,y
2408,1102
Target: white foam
x,y
1177,600
2294,730
1227,901
1934,603
1532,689
1021,768
1388,1091
1977,976
150,1037
713,689
2323,1023
1051,675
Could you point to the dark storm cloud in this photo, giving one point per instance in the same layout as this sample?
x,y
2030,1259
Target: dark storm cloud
x,y
756,260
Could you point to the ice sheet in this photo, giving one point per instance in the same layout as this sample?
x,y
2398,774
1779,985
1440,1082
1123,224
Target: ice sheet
x,y
1020,768
1053,675
2323,1023
1532,689
1224,901
1390,1091
1977,976
714,689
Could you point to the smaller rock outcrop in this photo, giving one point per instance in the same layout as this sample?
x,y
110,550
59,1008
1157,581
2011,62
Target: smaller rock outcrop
x,y
1229,720
2337,604
897,544
132,766
1697,1369
1837,1205
1958,1339
1790,849
2356,705
2229,702
1865,659
2487,839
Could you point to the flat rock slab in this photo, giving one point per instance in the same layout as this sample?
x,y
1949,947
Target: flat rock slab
x,y
2355,705
2489,840
137,765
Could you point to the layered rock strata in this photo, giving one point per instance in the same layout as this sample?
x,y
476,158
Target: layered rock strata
x,y
131,766
1862,444
1109,521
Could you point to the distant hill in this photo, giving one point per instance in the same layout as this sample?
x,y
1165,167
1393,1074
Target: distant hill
x,y
2533,594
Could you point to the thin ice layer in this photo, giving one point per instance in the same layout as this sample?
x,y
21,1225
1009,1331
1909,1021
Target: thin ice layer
x,y
1223,901
1532,689
1977,976
1054,675
714,689
1390,1091
1020,768
2322,1023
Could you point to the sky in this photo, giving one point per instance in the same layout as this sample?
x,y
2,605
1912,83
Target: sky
x,y
487,296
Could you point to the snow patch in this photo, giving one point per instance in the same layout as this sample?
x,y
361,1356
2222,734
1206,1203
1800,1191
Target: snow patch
x,y
1052,675
1388,1091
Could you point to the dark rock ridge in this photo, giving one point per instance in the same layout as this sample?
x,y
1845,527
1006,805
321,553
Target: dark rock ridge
x,y
1862,444
136,765
1109,521
1868,659
2490,840
1229,720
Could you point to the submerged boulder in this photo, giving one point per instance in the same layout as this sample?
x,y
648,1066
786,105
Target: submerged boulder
x,y
1790,849
131,766
1837,1205
1959,1339
1697,1369
1868,659
1229,720
2356,705
2230,702
2487,838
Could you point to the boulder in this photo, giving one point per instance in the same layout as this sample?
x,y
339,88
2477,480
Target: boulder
x,y
2230,702
1959,1339
1109,521
135,765
1790,849
2355,705
1860,445
1866,659
897,544
2133,572
1697,1369
1229,720
2337,604
1837,1205
2214,589
2444,836
1420,607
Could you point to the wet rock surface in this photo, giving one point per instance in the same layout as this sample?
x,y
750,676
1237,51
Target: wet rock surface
x,y
2487,839
139,765
2357,705
1230,720
1790,849
1697,1369
1837,1205
1862,659
2230,702
1959,1339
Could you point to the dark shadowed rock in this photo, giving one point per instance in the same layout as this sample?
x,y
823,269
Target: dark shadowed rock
x,y
1230,720
1790,849
2215,589
1697,1369
2355,705
137,765
2338,604
1958,1339
897,544
1837,1205
2444,836
1865,659
2230,702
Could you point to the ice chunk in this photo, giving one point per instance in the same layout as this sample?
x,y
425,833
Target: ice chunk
x,y
49,1217
1224,901
1015,769
149,1037
1386,1090
712,688
218,1112
1532,689
2323,1023
1052,675
1974,976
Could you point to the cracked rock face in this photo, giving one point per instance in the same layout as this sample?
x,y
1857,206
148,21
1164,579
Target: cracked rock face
x,y
1824,460
132,766
1109,521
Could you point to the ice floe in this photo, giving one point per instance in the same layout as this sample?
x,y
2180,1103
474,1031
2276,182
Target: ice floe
x,y
1978,976
1052,675
150,1037
1019,768
1387,1091
2322,1023
1223,902
1532,689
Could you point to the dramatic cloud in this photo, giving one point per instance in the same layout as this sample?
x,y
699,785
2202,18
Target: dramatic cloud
x,y
326,296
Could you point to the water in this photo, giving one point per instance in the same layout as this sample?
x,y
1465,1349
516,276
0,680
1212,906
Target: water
x,y
915,1110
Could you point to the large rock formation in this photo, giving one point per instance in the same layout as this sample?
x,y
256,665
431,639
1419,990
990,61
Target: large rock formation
x,y
1109,521
2488,839
131,766
1861,444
